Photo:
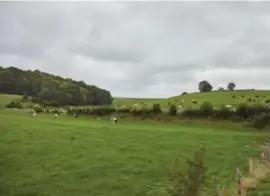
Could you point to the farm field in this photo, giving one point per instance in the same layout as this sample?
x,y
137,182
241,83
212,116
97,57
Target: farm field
x,y
217,98
66,156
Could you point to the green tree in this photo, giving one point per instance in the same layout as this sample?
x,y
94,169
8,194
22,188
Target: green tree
x,y
156,109
231,86
173,110
221,89
205,86
49,89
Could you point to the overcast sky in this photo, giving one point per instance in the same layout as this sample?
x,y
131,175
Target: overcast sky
x,y
142,49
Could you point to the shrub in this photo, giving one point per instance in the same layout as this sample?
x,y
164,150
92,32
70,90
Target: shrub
x,y
191,113
267,101
259,122
224,113
156,109
173,110
206,109
25,96
233,96
14,104
184,93
37,108
257,96
189,183
249,99
123,109
194,101
242,110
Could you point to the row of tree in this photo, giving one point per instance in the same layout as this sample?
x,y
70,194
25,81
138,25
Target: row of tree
x,y
49,89
205,86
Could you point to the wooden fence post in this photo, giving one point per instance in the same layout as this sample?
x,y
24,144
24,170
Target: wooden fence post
x,y
251,166
218,190
238,181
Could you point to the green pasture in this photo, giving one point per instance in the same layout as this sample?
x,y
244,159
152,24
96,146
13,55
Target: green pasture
x,y
67,157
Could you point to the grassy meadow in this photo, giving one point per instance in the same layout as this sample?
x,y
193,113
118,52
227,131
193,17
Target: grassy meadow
x,y
6,98
217,98
86,156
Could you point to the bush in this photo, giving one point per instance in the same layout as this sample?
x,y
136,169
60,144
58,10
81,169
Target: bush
x,y
191,113
184,93
206,109
259,122
189,183
173,110
249,99
267,101
194,101
224,113
123,109
156,109
14,104
233,96
242,110
37,108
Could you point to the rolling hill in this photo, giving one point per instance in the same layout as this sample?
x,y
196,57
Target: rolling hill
x,y
217,98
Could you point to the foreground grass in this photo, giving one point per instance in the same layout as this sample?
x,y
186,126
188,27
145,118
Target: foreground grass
x,y
42,156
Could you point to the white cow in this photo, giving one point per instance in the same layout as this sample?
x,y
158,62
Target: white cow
x,y
114,119
55,115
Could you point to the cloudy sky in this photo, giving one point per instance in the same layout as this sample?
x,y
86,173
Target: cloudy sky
x,y
141,49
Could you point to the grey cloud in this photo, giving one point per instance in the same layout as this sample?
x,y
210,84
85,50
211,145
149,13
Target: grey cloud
x,y
140,48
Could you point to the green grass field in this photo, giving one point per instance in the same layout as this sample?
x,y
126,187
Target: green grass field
x,y
41,156
6,98
217,98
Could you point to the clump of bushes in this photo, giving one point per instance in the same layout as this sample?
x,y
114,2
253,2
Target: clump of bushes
x,y
14,104
156,109
259,122
194,101
190,182
173,110
184,93
206,109
37,108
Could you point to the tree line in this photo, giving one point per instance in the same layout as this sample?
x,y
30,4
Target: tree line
x,y
205,86
51,90
258,115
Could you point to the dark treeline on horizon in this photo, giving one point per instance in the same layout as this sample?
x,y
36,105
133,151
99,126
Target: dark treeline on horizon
x,y
49,89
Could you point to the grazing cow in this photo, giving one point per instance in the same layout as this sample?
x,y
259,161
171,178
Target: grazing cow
x,y
34,113
55,115
228,106
114,119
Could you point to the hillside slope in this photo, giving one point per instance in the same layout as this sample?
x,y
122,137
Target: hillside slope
x,y
217,98
50,89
